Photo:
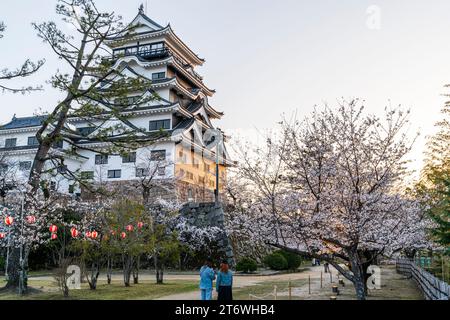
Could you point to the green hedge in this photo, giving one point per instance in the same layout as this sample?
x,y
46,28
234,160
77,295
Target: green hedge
x,y
246,265
294,260
276,261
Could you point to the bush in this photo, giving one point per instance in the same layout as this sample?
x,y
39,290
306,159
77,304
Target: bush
x,y
294,260
246,265
276,261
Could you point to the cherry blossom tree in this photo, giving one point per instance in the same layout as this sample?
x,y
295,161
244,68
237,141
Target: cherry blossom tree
x,y
338,195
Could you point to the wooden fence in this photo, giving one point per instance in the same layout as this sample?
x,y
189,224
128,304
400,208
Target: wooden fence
x,y
432,288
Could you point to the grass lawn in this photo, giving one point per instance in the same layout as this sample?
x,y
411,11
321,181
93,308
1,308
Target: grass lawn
x,y
147,290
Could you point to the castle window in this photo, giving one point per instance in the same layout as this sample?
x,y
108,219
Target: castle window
x,y
10,143
158,155
129,158
114,174
157,46
161,171
101,159
86,131
33,141
158,75
127,101
62,169
141,172
87,175
159,125
130,51
25,165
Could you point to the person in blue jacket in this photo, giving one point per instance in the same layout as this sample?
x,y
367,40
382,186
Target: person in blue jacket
x,y
207,276
224,283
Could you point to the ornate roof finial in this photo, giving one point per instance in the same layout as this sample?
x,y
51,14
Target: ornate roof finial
x,y
14,117
141,8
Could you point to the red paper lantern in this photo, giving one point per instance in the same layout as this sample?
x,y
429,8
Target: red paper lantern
x,y
54,236
140,225
9,220
53,228
74,232
2,235
88,234
94,234
123,235
31,219
129,228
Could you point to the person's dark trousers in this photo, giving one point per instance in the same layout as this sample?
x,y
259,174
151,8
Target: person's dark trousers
x,y
225,293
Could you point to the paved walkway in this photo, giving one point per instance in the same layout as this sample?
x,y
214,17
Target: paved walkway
x,y
249,280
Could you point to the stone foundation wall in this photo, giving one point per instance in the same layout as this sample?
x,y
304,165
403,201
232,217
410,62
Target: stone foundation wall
x,y
210,215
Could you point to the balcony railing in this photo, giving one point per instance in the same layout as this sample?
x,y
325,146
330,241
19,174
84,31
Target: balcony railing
x,y
142,52
148,54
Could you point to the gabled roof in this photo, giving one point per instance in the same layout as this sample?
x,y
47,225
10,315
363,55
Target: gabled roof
x,y
142,20
24,122
145,17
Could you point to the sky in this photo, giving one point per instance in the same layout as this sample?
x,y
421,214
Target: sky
x,y
266,58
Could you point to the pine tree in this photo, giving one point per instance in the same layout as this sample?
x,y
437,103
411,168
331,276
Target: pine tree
x,y
434,186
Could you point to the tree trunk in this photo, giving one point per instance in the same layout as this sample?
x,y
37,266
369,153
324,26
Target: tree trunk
x,y
136,269
145,194
159,269
109,270
13,269
127,269
95,273
358,275
160,276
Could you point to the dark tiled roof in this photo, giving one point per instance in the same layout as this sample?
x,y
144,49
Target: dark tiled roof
x,y
25,122
194,106
186,123
152,21
19,148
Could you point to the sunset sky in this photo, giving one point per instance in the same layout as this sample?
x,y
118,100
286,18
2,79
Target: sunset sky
x,y
267,57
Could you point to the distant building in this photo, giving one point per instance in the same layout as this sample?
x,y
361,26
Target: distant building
x,y
183,111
